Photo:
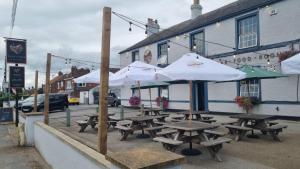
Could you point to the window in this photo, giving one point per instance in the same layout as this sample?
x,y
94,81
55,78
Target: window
x,y
162,54
249,85
198,43
163,92
81,84
69,85
248,32
135,92
135,56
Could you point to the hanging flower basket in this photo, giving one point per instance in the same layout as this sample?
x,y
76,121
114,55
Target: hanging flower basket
x,y
164,100
134,101
247,103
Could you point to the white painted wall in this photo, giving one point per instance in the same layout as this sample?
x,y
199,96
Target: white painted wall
x,y
29,121
61,155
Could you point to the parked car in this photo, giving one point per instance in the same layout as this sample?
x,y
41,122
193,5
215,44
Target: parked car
x,y
112,99
73,101
56,102
21,102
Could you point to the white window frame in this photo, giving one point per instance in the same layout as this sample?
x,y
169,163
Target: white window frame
x,y
248,32
254,88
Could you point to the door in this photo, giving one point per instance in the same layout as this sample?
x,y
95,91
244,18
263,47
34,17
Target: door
x,y
200,96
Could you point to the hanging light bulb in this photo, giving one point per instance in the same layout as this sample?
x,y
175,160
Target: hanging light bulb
x,y
69,61
146,30
194,46
66,61
234,56
268,61
130,27
168,47
177,37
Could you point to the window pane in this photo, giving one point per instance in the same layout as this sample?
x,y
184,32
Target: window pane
x,y
198,43
253,88
163,54
248,32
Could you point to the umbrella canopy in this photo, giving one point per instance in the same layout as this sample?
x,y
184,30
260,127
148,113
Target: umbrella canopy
x,y
192,66
259,73
92,77
291,65
135,72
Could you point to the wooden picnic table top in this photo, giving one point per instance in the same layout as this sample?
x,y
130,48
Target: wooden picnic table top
x,y
96,114
251,116
152,109
193,112
189,125
143,118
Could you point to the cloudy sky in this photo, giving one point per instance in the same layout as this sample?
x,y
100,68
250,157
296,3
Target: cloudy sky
x,y
73,28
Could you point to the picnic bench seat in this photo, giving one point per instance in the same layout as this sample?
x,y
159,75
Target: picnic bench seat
x,y
208,121
83,124
214,146
124,123
125,131
272,123
166,133
177,117
274,130
214,134
153,130
230,123
238,131
168,144
207,117
158,123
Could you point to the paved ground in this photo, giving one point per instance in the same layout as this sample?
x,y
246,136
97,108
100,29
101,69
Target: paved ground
x,y
261,153
14,157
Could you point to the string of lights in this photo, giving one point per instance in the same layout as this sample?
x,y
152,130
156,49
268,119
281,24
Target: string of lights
x,y
144,26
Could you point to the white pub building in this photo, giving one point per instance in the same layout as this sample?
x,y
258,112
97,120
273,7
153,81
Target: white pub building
x,y
245,32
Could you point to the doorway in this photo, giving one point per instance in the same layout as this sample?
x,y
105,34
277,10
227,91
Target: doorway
x,y
200,96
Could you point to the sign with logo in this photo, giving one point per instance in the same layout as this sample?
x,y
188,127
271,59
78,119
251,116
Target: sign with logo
x,y
16,77
6,114
147,56
16,51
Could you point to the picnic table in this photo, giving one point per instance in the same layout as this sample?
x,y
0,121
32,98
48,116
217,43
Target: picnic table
x,y
196,115
190,126
208,138
258,122
152,111
142,122
92,120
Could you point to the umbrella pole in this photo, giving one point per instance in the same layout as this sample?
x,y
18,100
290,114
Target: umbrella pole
x,y
298,88
139,87
248,89
191,99
150,99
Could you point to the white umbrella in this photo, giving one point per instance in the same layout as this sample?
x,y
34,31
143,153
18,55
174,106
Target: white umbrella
x,y
135,73
291,66
192,66
92,77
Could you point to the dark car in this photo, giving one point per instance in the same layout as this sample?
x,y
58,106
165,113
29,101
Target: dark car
x,y
21,102
112,99
56,102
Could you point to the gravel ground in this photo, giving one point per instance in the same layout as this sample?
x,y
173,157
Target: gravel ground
x,y
262,153
14,157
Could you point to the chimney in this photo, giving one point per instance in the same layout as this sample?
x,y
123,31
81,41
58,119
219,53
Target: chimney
x,y
152,27
196,9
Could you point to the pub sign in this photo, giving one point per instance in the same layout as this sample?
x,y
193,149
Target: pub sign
x,y
16,77
16,51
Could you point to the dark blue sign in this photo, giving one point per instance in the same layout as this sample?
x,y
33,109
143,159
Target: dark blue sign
x,y
6,114
16,77
16,51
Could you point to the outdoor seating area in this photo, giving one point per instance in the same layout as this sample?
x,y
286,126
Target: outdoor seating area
x,y
199,142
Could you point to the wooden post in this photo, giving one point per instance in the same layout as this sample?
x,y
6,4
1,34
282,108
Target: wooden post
x,y
103,90
150,99
36,91
191,99
47,89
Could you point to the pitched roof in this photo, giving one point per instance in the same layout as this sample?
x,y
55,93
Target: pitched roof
x,y
225,12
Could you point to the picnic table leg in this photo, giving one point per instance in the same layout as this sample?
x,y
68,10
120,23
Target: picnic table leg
x,y
274,135
190,151
82,127
213,151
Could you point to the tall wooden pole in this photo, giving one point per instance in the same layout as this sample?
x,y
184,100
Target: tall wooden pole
x,y
36,90
103,90
47,89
